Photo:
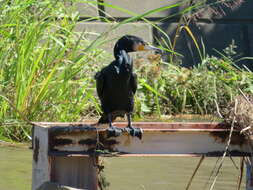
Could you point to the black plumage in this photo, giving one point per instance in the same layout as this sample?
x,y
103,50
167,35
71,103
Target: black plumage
x,y
117,83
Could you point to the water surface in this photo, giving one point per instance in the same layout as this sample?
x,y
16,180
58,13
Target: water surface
x,y
127,173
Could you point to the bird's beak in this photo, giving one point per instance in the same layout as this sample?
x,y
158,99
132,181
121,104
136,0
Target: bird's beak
x,y
147,47
152,48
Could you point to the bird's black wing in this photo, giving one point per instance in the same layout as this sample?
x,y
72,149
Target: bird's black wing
x,y
99,83
133,82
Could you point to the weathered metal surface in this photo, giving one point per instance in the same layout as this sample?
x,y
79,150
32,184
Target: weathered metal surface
x,y
75,172
67,153
159,138
36,148
41,161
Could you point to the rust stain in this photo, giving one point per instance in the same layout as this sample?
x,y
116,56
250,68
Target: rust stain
x,y
93,138
88,142
229,153
72,129
222,136
107,143
57,133
127,141
62,142
93,142
110,142
66,128
36,149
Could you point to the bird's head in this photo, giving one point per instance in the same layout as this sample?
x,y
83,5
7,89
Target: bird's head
x,y
131,43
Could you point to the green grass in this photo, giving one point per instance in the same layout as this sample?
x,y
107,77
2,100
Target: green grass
x,y
44,72
47,69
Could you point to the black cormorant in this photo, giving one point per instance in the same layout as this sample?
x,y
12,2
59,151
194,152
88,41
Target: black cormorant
x,y
116,84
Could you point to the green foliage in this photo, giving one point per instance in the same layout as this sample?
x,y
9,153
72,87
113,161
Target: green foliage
x,y
44,72
200,90
47,69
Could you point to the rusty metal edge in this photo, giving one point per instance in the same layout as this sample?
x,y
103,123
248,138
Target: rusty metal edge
x,y
208,154
146,126
123,124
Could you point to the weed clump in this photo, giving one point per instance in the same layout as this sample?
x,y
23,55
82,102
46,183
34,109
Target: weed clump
x,y
241,111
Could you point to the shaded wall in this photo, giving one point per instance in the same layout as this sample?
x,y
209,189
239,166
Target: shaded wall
x,y
217,32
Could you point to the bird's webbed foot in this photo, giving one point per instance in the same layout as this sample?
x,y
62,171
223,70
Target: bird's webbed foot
x,y
134,131
113,131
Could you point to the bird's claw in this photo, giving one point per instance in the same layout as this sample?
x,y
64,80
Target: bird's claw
x,y
113,132
134,131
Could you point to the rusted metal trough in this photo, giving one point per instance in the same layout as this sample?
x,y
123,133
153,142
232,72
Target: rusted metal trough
x,y
68,153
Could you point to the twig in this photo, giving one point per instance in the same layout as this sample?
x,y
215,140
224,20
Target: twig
x,y
245,129
226,149
194,173
233,162
246,98
218,109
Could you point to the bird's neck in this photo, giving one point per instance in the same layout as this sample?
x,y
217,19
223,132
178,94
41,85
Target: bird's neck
x,y
123,62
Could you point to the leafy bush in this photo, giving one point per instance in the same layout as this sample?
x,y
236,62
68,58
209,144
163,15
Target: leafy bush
x,y
209,86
